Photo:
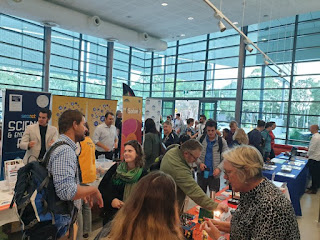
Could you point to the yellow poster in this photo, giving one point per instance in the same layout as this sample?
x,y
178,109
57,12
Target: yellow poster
x,y
96,110
131,120
63,103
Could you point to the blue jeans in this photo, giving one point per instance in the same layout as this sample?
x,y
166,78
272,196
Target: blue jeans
x,y
62,224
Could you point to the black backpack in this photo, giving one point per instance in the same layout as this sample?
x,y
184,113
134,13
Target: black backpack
x,y
203,136
36,200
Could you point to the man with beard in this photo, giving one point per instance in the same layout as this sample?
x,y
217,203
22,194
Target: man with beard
x,y
201,126
64,167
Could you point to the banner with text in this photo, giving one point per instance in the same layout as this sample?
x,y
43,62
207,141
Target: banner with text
x,y
131,120
20,109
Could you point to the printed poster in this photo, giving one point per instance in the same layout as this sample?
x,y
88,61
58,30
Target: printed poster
x,y
63,103
96,110
153,110
131,120
20,109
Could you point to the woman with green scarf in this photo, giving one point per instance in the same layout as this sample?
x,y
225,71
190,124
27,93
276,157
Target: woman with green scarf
x,y
120,180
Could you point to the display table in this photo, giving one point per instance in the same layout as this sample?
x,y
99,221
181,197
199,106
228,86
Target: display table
x,y
296,180
197,234
7,215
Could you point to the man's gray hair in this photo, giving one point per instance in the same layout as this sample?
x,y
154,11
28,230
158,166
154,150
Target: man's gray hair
x,y
168,123
191,145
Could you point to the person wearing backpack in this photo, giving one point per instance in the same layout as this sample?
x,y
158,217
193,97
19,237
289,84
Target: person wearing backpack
x,y
211,164
64,167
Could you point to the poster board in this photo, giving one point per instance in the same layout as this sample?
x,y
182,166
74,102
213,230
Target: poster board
x,y
63,103
131,120
93,109
20,109
96,110
153,109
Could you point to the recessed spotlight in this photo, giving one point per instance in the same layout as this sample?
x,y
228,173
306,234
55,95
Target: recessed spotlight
x,y
235,23
190,18
264,39
164,4
182,35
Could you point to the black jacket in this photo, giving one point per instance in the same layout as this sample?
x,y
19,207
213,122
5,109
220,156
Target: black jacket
x,y
109,191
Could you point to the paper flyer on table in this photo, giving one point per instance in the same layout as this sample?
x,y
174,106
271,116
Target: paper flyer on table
x,y
278,160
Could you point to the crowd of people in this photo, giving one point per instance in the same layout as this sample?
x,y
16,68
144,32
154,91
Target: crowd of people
x,y
142,196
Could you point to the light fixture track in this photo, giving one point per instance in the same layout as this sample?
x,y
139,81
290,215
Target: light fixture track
x,y
247,41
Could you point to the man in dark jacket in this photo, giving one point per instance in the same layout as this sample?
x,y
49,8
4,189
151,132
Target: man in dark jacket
x,y
255,137
170,137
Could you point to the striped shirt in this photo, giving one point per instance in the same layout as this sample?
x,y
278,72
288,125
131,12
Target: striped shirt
x,y
63,165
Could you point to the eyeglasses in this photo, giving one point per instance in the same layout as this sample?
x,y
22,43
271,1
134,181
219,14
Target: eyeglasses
x,y
195,158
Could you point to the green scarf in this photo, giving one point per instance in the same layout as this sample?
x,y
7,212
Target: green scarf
x,y
128,178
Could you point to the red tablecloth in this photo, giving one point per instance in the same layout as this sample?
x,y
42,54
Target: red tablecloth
x,y
197,234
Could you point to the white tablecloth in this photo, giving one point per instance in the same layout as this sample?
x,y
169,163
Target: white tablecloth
x,y
7,215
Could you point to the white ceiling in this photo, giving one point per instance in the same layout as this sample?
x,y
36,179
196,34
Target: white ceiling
x,y
126,20
168,23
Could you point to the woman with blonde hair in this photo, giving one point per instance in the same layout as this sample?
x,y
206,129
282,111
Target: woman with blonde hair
x,y
240,137
263,211
151,212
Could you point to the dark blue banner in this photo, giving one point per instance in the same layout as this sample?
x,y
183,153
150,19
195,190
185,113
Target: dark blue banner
x,y
20,109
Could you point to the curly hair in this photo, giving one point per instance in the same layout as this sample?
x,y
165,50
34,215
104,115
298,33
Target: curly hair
x,y
140,160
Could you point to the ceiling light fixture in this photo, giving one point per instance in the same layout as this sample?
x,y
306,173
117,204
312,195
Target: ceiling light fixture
x,y
235,23
190,18
219,15
182,35
248,48
164,4
221,26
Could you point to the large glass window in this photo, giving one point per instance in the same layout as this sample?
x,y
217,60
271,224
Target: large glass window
x,y
203,67
64,62
21,54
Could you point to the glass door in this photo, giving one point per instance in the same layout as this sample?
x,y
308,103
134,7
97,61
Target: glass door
x,y
208,108
187,109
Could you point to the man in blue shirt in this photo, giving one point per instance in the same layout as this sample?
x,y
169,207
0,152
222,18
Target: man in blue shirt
x,y
210,159
64,167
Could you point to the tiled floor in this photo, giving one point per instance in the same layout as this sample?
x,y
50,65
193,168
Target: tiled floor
x,y
308,223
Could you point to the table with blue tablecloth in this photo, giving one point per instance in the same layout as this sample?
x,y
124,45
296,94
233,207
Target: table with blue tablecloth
x,y
296,183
